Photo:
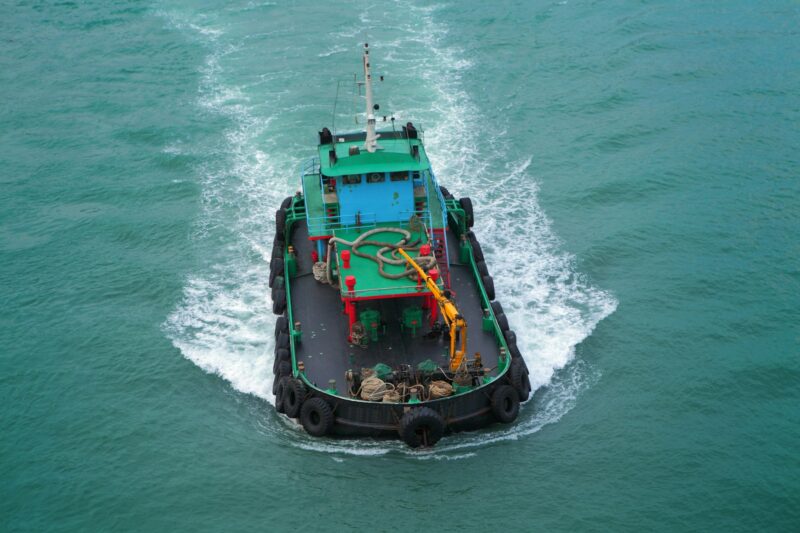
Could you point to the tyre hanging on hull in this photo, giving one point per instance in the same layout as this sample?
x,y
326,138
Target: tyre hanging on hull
x,y
293,397
505,404
421,427
280,391
518,376
477,251
316,416
278,301
488,286
275,270
466,205
280,221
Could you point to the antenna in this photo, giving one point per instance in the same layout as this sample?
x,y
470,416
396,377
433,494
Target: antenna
x,y
371,143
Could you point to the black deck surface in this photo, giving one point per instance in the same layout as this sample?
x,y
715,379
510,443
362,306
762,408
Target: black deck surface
x,y
324,348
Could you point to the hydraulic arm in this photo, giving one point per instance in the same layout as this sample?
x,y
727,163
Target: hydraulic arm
x,y
452,318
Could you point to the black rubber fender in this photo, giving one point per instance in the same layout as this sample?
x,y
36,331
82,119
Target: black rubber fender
x,y
477,251
277,250
511,341
421,427
281,326
511,337
278,301
282,341
281,354
279,283
445,193
280,221
488,286
483,270
518,376
316,416
505,404
497,307
466,205
286,203
502,321
280,392
284,369
293,397
275,269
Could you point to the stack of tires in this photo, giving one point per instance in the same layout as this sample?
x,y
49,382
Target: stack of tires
x,y
277,267
291,395
517,389
507,397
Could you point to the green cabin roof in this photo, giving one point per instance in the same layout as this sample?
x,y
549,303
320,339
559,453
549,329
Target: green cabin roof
x,y
394,156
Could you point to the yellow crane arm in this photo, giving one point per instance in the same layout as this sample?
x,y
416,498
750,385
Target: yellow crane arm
x,y
455,322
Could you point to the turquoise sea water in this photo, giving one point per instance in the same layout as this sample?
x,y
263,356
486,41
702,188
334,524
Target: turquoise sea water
x,y
634,166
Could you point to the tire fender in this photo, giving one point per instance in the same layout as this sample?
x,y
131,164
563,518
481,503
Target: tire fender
x,y
421,427
316,416
505,404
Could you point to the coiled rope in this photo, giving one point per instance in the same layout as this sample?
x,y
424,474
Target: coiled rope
x,y
426,262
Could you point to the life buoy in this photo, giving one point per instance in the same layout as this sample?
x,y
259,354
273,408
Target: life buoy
x,y
505,404
421,427
293,397
316,416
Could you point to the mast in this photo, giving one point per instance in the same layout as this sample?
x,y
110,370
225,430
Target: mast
x,y
371,143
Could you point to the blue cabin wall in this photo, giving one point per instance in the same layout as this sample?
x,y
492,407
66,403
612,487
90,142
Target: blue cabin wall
x,y
386,201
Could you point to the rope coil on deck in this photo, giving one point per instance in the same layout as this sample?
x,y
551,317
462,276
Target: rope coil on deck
x,y
373,389
439,389
406,242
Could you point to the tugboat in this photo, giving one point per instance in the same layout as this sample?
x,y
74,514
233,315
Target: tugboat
x,y
376,279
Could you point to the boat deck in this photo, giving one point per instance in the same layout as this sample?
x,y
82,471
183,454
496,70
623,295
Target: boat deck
x,y
324,349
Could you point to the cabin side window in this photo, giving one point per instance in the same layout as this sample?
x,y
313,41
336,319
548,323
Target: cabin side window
x,y
399,176
352,179
376,177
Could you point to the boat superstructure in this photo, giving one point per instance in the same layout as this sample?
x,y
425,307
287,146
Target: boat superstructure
x,y
387,321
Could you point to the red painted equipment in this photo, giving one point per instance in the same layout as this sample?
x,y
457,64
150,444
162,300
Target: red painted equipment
x,y
346,262
350,281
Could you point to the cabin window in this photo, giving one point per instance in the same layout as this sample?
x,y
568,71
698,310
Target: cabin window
x,y
415,175
376,177
352,179
399,176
